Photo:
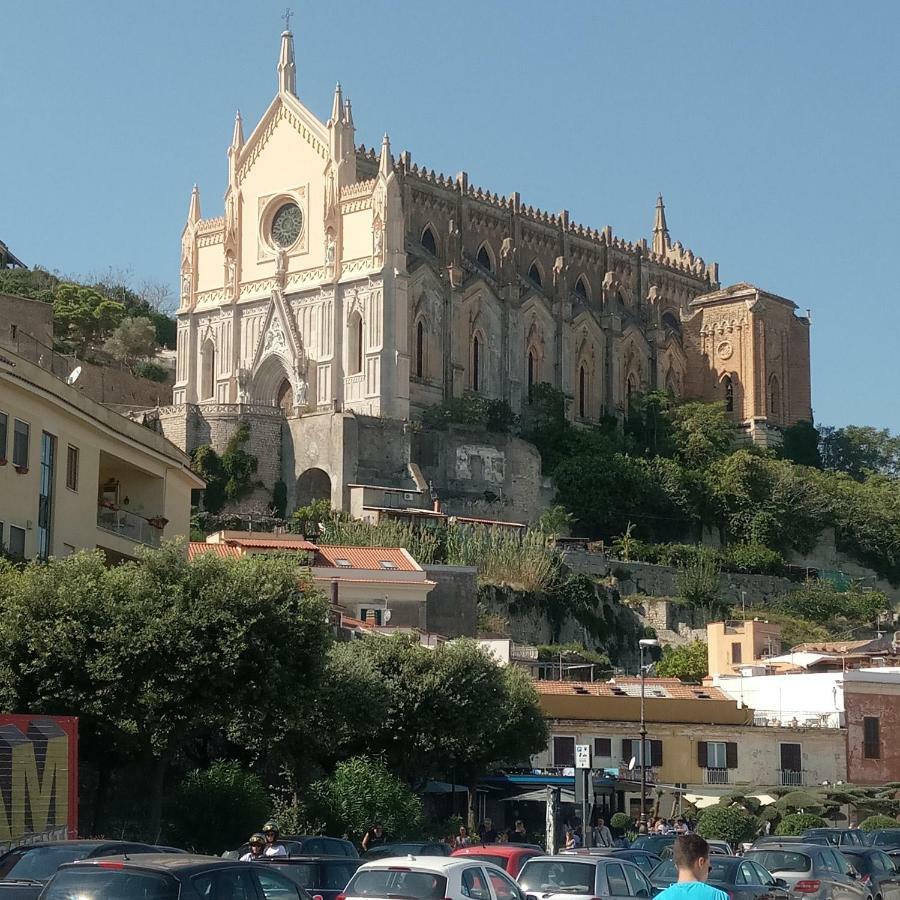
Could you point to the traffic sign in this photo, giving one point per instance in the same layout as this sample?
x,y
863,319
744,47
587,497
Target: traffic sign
x,y
582,756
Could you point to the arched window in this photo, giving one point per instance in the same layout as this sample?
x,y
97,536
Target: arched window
x,y
420,349
672,382
476,363
582,391
728,386
631,390
208,370
532,371
774,397
671,322
355,344
429,241
581,288
534,273
484,258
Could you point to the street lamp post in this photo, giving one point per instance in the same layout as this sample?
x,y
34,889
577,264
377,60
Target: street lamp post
x,y
644,644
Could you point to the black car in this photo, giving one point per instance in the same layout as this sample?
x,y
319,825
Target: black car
x,y
324,877
741,879
837,837
876,870
643,859
24,870
408,848
653,843
306,845
170,876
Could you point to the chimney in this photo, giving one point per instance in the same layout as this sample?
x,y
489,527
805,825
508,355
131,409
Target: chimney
x,y
333,592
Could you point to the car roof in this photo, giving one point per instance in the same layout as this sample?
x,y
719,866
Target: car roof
x,y
595,860
158,861
425,863
799,846
497,849
307,858
83,842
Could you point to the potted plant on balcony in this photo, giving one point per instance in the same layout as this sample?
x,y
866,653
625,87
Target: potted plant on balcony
x,y
159,522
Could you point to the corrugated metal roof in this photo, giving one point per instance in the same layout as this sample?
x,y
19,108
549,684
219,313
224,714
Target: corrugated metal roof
x,y
370,558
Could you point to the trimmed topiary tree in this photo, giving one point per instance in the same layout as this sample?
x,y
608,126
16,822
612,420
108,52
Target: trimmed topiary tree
x,y
727,823
874,823
621,821
796,823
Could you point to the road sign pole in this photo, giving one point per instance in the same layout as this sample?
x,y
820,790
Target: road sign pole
x,y
584,788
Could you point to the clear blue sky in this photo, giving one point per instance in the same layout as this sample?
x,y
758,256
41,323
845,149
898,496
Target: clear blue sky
x,y
771,128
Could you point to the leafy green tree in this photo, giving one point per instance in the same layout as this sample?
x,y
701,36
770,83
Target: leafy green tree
x,y
703,433
545,424
132,340
875,823
727,823
214,809
555,521
698,582
689,662
820,601
800,445
362,791
796,823
228,477
82,316
650,423
860,450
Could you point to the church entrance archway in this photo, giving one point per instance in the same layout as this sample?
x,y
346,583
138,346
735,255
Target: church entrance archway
x,y
313,484
285,398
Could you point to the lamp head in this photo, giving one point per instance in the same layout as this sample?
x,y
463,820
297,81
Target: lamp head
x,y
648,642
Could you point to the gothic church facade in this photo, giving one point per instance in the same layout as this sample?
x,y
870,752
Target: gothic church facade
x,y
344,291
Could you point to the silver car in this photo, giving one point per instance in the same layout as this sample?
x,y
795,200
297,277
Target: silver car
x,y
584,877
818,872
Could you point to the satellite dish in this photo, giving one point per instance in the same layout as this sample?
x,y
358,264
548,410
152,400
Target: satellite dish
x,y
73,376
631,763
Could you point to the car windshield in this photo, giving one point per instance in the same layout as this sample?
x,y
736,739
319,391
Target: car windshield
x,y
397,882
862,862
39,863
489,858
780,860
666,870
653,843
395,850
558,877
100,883
886,838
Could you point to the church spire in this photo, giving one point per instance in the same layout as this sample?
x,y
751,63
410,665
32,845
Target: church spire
x,y
386,163
237,138
348,114
661,241
194,208
337,105
287,71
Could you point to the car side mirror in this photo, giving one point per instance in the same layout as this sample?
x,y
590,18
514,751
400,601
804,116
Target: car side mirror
x,y
780,882
531,897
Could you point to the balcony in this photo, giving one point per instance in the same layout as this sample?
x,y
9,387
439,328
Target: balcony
x,y
128,525
790,778
354,387
799,718
716,776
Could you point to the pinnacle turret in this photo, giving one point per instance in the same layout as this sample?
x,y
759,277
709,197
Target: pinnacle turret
x,y
237,138
386,163
348,114
337,105
287,71
194,208
661,242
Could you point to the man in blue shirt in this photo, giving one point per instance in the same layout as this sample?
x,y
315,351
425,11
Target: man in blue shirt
x,y
691,856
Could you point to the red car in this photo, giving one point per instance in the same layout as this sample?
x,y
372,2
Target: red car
x,y
510,857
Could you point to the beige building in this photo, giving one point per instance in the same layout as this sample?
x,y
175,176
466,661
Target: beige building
x,y
345,290
75,475
733,645
699,740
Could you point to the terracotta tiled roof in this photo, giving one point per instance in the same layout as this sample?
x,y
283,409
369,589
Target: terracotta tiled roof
x,y
195,548
274,543
654,689
366,558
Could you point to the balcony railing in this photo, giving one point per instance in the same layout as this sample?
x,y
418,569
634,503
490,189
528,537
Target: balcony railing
x,y
799,718
128,525
355,387
717,776
790,778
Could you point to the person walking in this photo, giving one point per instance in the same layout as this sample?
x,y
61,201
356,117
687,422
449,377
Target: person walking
x,y
374,837
519,835
274,847
487,832
601,835
691,856
257,845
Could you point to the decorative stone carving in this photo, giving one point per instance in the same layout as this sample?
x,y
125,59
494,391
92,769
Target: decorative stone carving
x,y
244,378
725,350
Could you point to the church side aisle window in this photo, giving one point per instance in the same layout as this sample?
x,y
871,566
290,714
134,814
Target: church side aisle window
x,y
476,363
207,370
428,241
420,349
728,385
582,383
355,348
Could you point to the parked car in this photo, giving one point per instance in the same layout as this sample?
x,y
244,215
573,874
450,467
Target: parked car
x,y
819,871
324,877
741,879
886,838
837,837
587,877
169,876
431,878
408,848
653,843
509,857
877,871
25,870
716,848
643,859
306,845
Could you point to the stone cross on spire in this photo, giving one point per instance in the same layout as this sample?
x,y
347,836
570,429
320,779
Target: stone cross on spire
x,y
287,18
661,241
